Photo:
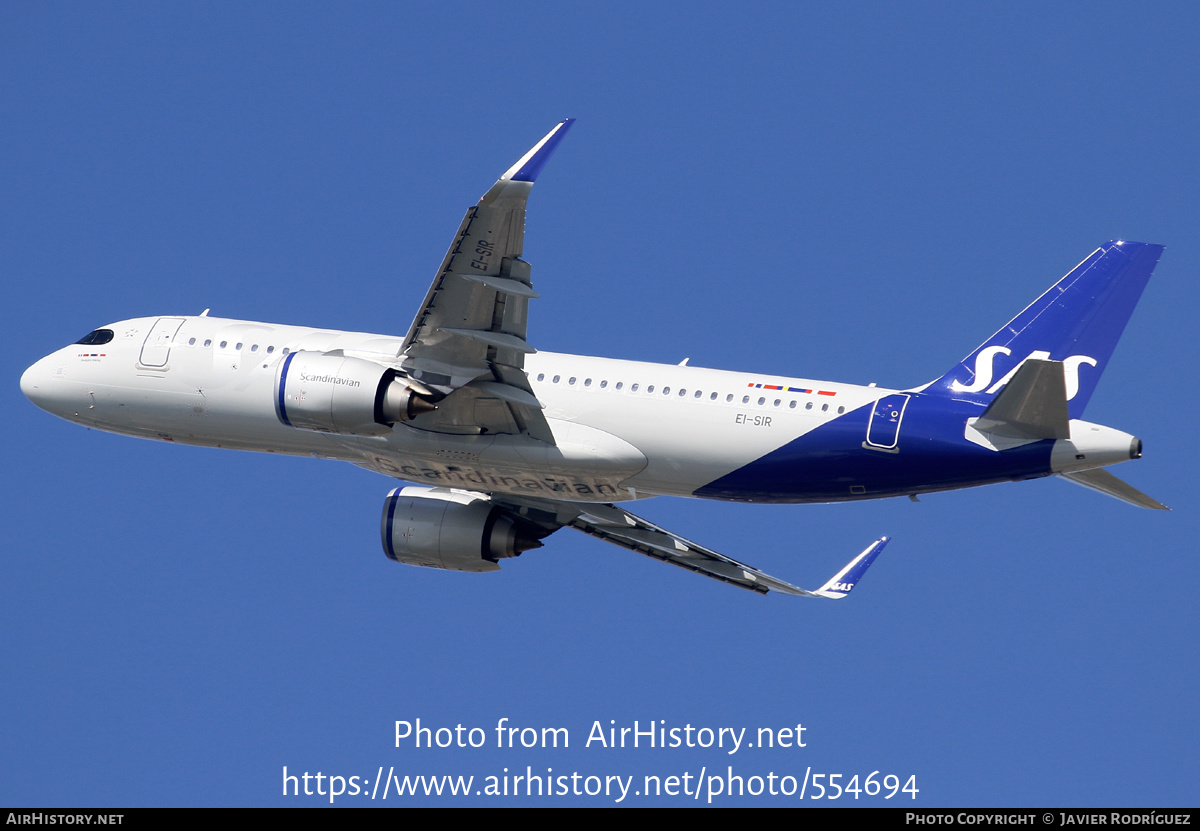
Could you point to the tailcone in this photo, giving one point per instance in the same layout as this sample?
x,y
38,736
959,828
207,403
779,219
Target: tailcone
x,y
1091,446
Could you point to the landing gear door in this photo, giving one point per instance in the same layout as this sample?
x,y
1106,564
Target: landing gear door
x,y
157,347
883,428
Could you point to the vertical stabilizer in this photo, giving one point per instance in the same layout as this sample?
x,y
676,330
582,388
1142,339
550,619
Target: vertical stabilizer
x,y
1077,322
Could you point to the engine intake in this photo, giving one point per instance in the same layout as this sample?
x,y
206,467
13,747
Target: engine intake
x,y
332,393
451,529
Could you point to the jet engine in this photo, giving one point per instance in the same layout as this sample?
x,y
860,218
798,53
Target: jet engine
x,y
452,529
332,393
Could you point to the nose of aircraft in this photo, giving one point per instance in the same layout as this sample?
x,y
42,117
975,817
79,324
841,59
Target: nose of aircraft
x,y
37,384
30,379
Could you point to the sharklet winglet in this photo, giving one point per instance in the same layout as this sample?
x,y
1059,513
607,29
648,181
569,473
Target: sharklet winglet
x,y
845,580
530,165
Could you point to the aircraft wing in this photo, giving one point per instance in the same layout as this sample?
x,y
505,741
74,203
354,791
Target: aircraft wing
x,y
616,525
468,341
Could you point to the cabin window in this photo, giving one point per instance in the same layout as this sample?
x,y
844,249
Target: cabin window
x,y
620,384
224,343
555,379
824,408
254,348
541,376
841,410
792,405
603,384
666,390
745,399
762,401
633,388
650,388
571,382
285,350
191,341
808,406
777,402
728,398
587,382
207,342
238,347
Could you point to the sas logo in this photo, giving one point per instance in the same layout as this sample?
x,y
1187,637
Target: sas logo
x,y
841,587
984,370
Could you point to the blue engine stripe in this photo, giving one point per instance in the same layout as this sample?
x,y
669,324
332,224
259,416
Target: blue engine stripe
x,y
280,409
391,517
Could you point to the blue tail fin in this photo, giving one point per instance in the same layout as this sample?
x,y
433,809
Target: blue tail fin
x,y
1077,321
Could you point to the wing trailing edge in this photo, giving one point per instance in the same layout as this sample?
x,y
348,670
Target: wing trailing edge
x,y
614,524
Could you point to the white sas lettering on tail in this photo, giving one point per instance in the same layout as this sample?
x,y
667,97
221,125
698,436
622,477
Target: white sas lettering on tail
x,y
984,370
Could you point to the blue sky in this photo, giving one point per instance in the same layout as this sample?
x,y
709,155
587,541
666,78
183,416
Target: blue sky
x,y
857,192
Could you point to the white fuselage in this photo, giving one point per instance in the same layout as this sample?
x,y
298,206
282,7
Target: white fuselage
x,y
622,429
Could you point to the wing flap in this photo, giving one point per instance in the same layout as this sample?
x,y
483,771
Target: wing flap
x,y
499,340
506,285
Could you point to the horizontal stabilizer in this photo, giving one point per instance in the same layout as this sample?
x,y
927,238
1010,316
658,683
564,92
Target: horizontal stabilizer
x,y
1101,480
1033,405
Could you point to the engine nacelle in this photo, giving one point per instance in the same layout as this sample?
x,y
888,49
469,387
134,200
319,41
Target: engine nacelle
x,y
457,530
332,393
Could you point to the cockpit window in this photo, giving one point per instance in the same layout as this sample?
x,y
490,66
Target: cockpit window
x,y
96,338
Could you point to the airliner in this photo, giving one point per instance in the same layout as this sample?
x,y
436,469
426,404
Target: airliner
x,y
506,444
